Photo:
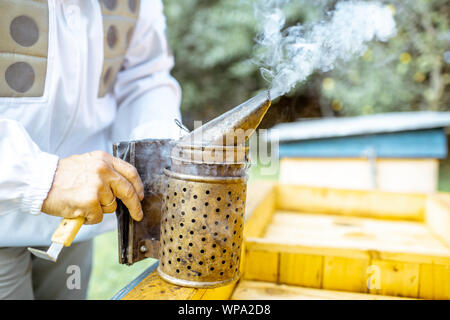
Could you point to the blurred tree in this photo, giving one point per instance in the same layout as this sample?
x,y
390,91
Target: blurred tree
x,y
213,43
410,72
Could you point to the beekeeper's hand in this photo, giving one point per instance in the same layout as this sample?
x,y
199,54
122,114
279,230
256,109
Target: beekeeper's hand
x,y
88,184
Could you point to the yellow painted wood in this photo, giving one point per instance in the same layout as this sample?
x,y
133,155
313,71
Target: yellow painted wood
x,y
67,230
220,293
345,274
437,215
434,282
357,232
255,290
199,294
376,204
438,256
350,269
259,208
243,256
393,175
321,234
258,244
408,175
301,269
155,288
397,278
338,245
261,265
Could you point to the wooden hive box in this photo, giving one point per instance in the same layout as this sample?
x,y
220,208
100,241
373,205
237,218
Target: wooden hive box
x,y
321,243
395,151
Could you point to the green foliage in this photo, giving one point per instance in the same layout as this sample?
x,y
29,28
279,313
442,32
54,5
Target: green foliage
x,y
213,42
108,276
407,73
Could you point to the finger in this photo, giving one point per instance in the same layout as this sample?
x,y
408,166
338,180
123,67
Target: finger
x,y
94,215
124,168
130,173
123,190
110,208
107,200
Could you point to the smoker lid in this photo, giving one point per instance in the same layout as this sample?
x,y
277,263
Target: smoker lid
x,y
359,125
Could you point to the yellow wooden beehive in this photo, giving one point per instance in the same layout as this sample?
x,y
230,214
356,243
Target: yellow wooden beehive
x,y
322,243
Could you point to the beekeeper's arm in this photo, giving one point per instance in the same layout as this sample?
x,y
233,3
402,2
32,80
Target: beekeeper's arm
x,y
148,96
32,181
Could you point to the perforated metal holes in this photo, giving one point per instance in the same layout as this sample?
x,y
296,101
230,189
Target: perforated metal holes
x,y
201,231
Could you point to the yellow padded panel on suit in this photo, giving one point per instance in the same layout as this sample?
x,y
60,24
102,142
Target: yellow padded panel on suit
x,y
24,76
119,21
23,47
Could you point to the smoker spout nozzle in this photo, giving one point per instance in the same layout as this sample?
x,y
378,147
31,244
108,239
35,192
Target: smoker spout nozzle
x,y
233,127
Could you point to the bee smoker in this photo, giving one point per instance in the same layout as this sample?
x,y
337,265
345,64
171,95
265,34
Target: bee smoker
x,y
202,220
201,186
204,200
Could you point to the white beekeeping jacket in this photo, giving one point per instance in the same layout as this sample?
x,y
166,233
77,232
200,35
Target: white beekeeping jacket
x,y
77,76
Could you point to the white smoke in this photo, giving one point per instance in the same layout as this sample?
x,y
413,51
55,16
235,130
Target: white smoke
x,y
290,55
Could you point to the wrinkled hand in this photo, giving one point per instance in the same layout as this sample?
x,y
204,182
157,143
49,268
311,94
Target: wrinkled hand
x,y
88,184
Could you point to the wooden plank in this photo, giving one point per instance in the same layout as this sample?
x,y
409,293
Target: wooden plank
x,y
375,204
301,269
405,255
393,175
155,288
328,173
345,274
261,265
354,232
397,278
252,290
408,175
259,208
406,241
258,244
357,253
437,215
220,293
434,282
351,269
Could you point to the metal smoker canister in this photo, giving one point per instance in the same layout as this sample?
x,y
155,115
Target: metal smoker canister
x,y
203,215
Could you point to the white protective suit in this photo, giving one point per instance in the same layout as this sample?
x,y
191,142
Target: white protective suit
x,y
71,118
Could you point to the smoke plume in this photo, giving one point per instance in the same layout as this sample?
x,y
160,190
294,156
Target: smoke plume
x,y
289,55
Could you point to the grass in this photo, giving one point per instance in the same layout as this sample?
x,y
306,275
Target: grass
x,y
108,276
